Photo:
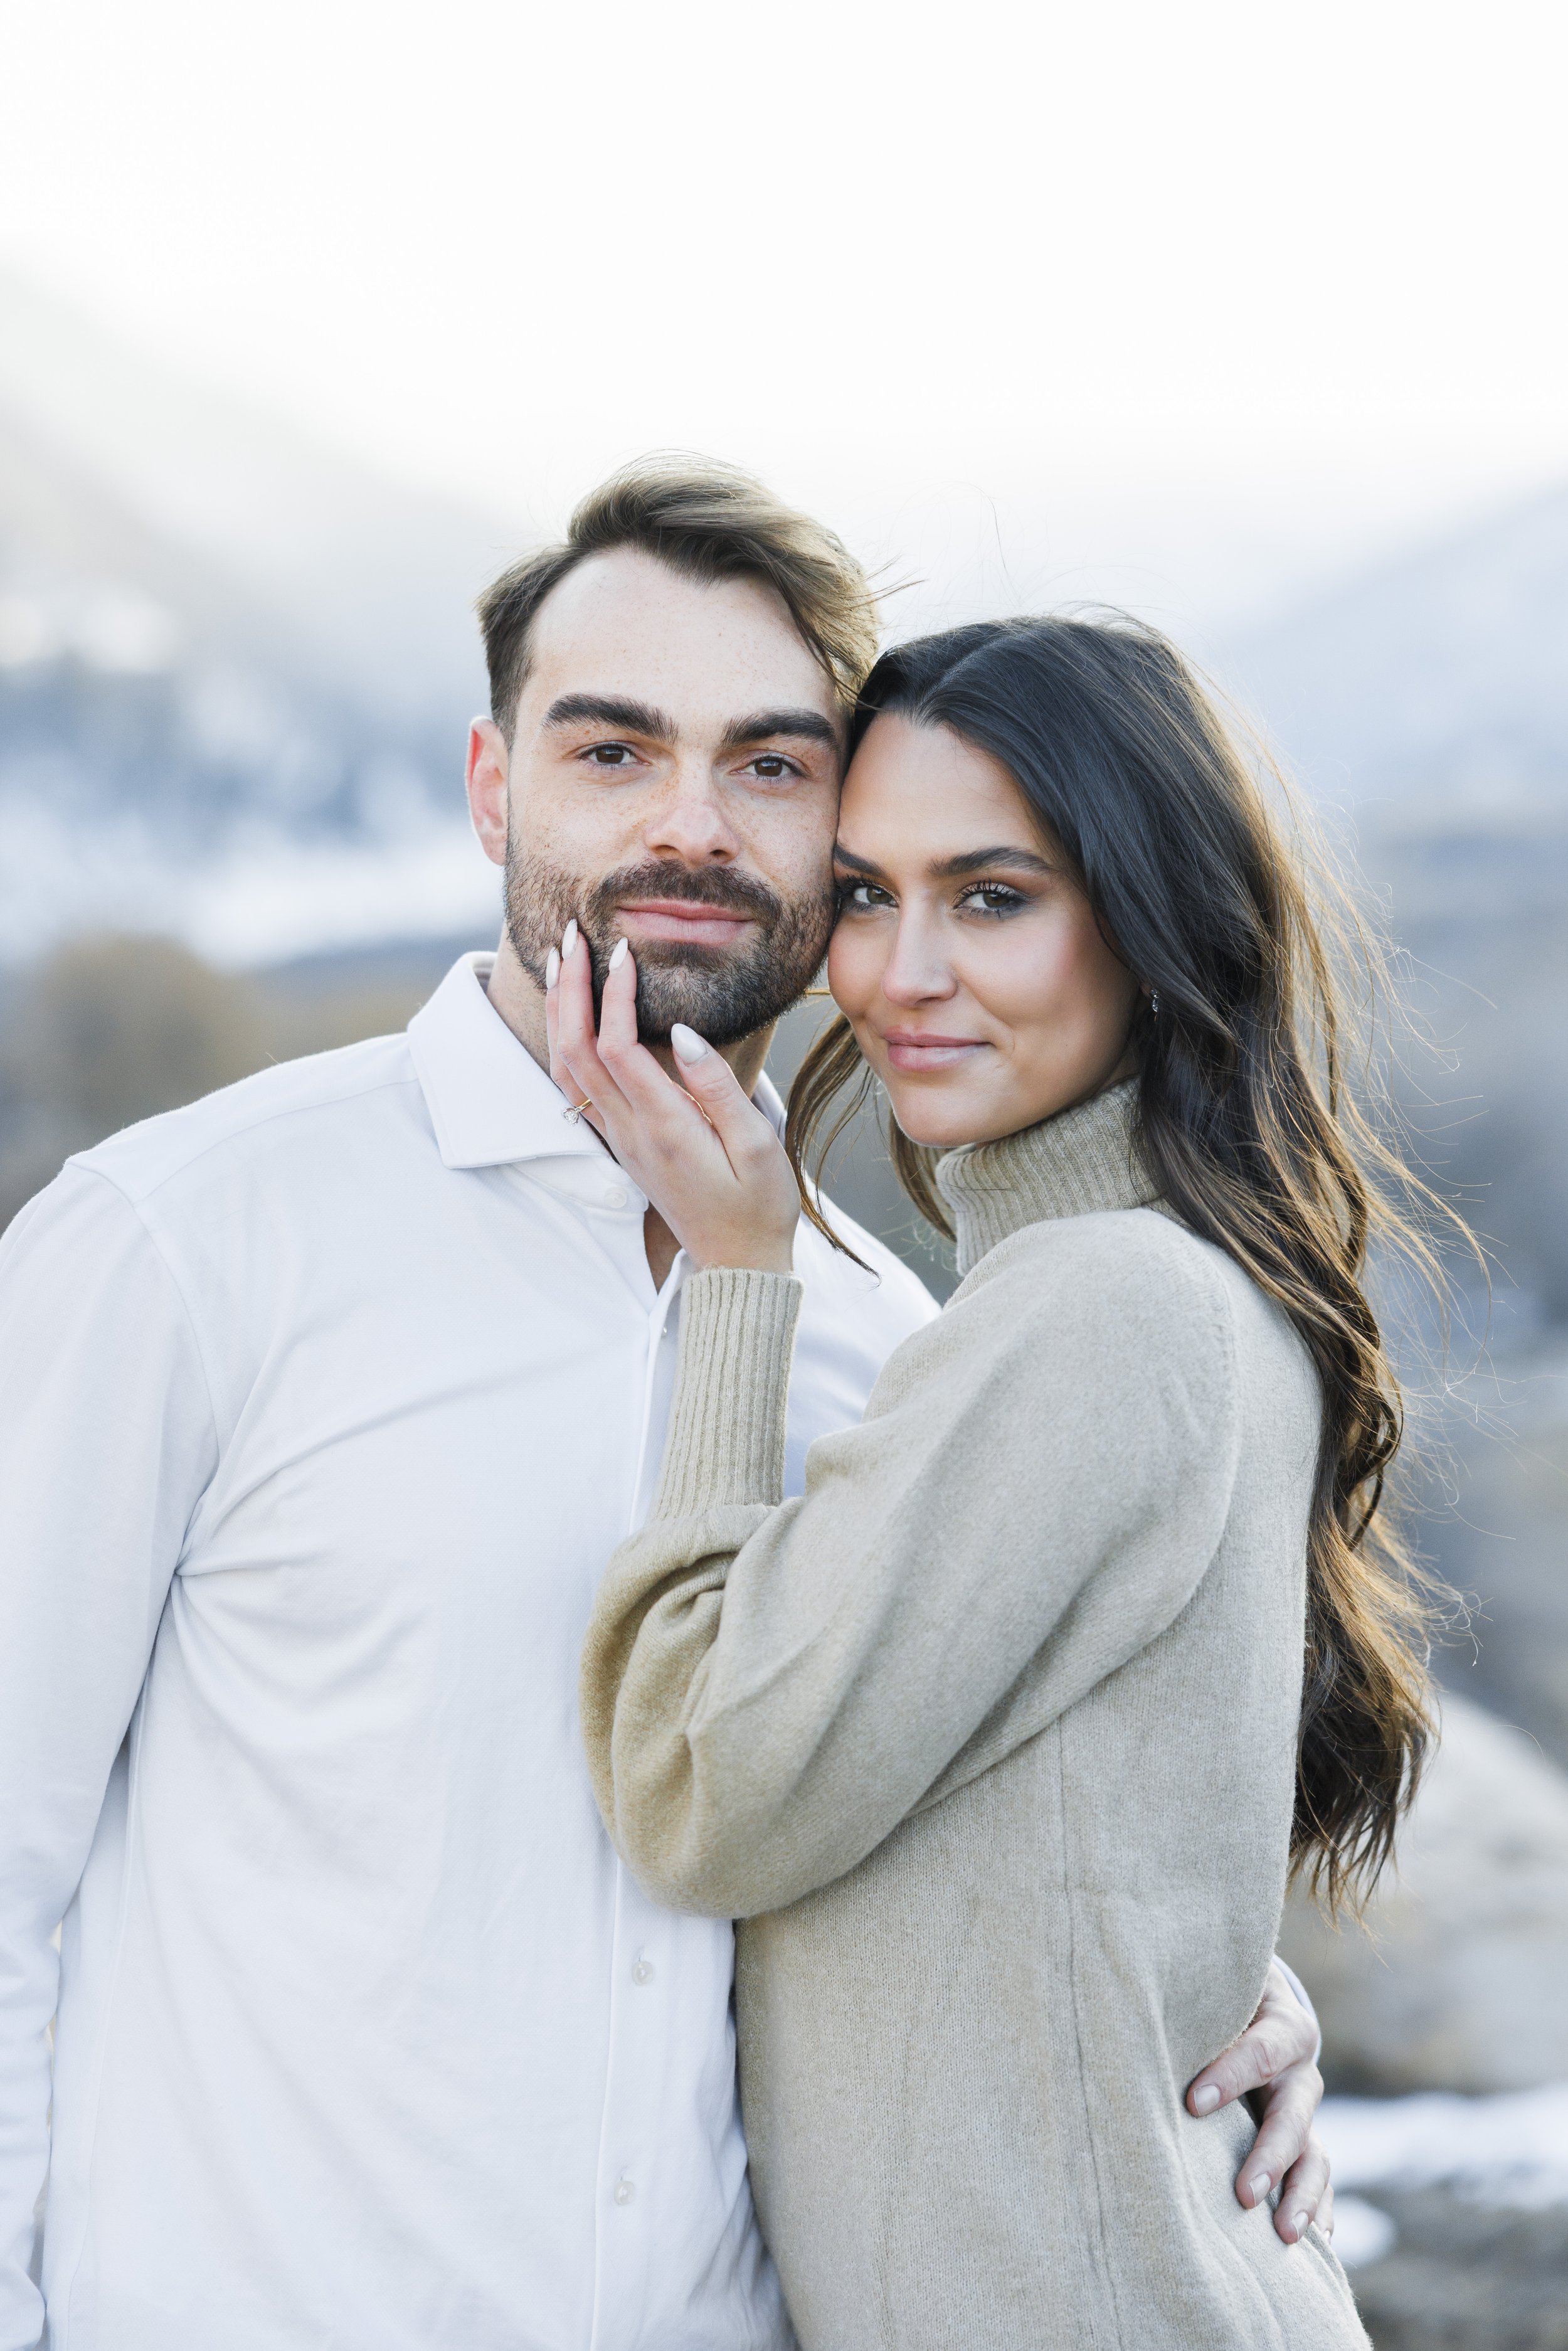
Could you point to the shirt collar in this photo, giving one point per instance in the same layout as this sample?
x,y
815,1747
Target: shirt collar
x,y
489,1102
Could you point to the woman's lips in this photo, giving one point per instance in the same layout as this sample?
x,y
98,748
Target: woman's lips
x,y
685,919
917,1051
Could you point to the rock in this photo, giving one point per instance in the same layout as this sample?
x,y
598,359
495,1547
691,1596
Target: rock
x,y
1455,1979
1462,2278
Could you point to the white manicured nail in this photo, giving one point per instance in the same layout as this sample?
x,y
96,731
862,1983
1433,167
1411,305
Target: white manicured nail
x,y
568,940
1260,2184
617,955
688,1046
1301,2223
552,968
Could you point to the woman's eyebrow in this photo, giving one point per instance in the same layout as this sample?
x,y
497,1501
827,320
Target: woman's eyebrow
x,y
981,861
949,868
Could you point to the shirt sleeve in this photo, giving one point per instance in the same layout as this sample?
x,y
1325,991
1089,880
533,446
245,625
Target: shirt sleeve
x,y
1305,1999
106,1440
1041,1480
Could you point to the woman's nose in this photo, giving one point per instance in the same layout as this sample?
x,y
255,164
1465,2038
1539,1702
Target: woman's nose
x,y
917,972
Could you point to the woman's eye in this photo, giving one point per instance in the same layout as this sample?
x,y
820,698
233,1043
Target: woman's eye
x,y
862,897
992,898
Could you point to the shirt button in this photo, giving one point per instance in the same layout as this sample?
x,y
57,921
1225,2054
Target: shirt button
x,y
643,1972
615,1197
625,2192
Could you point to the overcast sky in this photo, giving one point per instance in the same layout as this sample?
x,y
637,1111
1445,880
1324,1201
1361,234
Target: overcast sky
x,y
1214,276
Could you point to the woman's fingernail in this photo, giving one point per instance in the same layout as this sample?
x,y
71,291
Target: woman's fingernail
x,y
568,940
1301,2223
617,955
552,968
1260,2184
1205,2101
687,1045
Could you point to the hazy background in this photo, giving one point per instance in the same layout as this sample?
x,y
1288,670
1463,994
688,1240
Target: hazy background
x,y
1249,318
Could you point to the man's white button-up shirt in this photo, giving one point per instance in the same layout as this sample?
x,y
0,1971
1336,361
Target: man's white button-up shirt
x,y
323,1404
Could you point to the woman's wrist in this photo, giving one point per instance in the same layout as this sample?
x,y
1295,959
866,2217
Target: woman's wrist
x,y
761,1257
728,1421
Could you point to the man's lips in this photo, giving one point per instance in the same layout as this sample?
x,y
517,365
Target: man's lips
x,y
686,919
919,1049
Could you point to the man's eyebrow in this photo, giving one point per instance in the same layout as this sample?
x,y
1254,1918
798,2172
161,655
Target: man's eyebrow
x,y
612,710
762,725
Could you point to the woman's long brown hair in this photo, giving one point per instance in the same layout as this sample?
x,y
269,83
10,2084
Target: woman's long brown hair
x,y
1245,1117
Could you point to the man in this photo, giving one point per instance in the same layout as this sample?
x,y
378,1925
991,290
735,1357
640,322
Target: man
x,y
322,1405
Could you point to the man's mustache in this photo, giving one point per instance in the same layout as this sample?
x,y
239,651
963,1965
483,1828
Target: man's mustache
x,y
700,885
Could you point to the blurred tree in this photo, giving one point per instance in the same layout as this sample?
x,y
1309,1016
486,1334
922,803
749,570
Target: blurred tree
x,y
111,1029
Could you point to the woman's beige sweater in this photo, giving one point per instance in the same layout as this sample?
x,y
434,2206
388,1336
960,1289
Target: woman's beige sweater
x,y
988,1739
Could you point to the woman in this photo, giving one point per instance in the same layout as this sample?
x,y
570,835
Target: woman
x,y
1002,1740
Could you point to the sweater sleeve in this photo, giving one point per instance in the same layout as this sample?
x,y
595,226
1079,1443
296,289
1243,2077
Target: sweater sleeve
x,y
1040,1480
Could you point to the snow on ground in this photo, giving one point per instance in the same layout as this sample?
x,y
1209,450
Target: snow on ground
x,y
1362,2234
1502,2151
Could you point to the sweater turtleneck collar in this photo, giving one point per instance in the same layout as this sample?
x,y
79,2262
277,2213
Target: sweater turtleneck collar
x,y
1074,1165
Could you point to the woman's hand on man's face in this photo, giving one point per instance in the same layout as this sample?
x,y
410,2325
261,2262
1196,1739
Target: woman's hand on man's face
x,y
706,1157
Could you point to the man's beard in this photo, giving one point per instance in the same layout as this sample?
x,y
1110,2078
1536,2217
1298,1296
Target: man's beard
x,y
723,993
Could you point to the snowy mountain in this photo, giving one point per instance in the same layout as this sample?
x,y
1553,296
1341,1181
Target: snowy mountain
x,y
1425,705
235,670
373,579
1429,697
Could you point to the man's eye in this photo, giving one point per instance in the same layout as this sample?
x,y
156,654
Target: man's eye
x,y
771,767
612,755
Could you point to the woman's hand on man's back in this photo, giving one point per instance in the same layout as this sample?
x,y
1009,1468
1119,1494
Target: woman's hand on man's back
x,y
1274,2064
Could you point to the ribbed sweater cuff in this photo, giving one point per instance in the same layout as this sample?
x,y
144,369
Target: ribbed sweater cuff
x,y
732,1392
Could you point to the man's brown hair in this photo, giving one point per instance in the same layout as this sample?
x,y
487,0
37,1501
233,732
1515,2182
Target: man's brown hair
x,y
711,522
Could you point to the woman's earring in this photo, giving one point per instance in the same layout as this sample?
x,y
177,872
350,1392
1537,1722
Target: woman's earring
x,y
1154,1002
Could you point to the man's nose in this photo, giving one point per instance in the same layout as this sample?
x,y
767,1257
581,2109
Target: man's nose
x,y
691,820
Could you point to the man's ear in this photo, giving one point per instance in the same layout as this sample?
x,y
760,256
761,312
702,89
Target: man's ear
x,y
487,770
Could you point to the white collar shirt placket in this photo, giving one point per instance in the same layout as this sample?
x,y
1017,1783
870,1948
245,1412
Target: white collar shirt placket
x,y
669,1976
671,2111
